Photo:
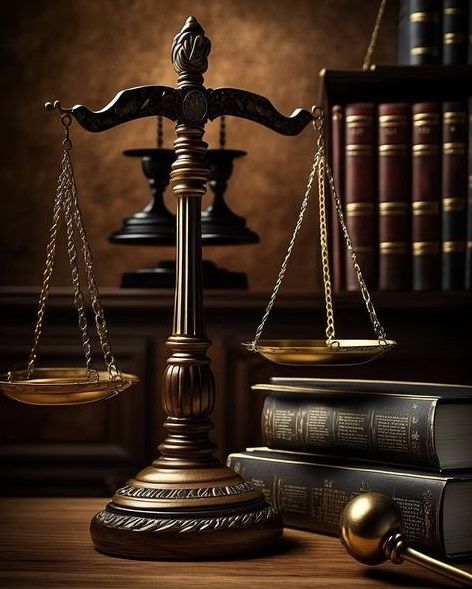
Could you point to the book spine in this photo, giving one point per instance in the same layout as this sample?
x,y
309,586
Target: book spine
x,y
360,186
312,496
455,31
394,196
403,58
426,196
454,194
337,158
424,32
384,429
468,251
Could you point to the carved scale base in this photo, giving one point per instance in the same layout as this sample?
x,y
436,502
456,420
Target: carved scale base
x,y
193,509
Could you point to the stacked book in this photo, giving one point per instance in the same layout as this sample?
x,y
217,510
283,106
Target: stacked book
x,y
329,440
404,172
435,32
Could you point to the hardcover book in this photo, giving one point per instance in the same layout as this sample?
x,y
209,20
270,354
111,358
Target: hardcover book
x,y
426,196
360,192
426,431
394,148
310,494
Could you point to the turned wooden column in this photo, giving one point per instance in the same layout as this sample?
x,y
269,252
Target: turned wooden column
x,y
188,390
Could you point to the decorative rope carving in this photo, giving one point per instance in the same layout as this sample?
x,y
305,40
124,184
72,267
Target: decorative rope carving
x,y
153,493
208,524
191,48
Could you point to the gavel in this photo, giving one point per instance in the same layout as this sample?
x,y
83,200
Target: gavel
x,y
371,531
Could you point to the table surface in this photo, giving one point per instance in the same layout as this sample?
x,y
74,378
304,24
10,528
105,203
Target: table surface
x,y
45,543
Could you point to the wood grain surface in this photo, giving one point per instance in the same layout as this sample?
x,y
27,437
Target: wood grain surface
x,y
45,544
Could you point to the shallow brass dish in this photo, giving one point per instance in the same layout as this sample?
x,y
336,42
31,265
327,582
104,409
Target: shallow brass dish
x,y
61,386
318,353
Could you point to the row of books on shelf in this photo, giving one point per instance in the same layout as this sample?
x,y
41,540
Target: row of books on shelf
x,y
329,440
404,172
435,32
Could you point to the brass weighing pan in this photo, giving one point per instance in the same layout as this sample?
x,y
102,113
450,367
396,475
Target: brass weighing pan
x,y
62,386
320,352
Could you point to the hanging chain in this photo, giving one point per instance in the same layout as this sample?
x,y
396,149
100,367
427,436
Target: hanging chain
x,y
50,257
373,38
321,173
283,268
72,253
222,132
321,169
66,201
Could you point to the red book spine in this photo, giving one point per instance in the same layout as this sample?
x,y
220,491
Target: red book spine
x,y
426,196
394,196
337,159
360,189
454,194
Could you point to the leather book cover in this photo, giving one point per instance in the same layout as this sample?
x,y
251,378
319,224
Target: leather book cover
x,y
468,251
454,194
394,148
455,31
426,196
337,159
423,32
360,192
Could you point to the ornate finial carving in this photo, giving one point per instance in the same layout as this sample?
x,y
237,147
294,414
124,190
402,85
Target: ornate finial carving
x,y
190,51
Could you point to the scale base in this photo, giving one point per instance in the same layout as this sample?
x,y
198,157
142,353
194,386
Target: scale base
x,y
170,514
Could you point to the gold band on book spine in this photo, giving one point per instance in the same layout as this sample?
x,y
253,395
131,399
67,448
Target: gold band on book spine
x,y
388,149
453,204
424,149
358,149
453,10
453,247
469,244
425,248
423,16
354,120
424,51
393,247
425,207
454,117
392,208
454,38
359,209
425,118
393,120
454,148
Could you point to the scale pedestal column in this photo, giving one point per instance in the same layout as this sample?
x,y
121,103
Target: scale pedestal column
x,y
186,504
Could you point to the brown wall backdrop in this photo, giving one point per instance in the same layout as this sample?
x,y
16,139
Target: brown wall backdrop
x,y
84,51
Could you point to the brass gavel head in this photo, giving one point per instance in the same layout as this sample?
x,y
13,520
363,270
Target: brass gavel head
x,y
366,523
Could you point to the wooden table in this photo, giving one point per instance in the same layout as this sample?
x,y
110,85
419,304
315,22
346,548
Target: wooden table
x,y
45,543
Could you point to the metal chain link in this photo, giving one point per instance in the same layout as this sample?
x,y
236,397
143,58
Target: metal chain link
x,y
66,202
321,169
97,308
373,38
283,268
50,257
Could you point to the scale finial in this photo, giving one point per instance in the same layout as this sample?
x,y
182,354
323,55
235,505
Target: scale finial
x,y
190,51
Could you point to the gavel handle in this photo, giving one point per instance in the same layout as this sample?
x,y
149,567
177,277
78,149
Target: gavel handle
x,y
441,568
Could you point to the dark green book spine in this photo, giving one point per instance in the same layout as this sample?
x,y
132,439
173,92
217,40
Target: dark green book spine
x,y
312,496
388,429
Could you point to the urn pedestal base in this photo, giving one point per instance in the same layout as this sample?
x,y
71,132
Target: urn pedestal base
x,y
213,514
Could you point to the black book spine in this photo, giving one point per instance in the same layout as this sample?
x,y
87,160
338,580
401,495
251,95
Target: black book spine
x,y
312,496
468,251
387,429
455,31
424,32
403,58
454,194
